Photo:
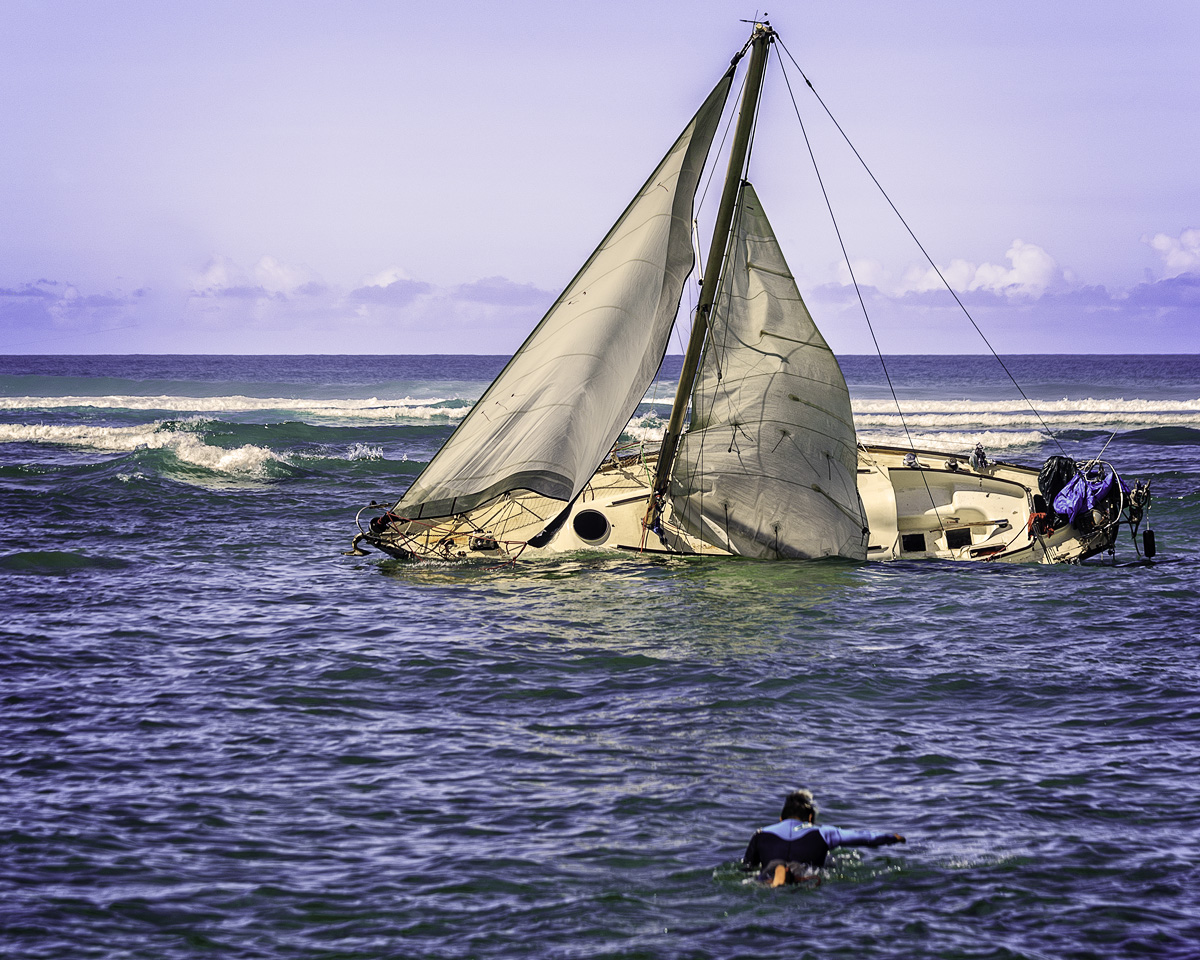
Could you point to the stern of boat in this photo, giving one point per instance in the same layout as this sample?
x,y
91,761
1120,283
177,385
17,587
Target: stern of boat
x,y
924,504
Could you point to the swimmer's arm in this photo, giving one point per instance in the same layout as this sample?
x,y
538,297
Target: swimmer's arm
x,y
836,837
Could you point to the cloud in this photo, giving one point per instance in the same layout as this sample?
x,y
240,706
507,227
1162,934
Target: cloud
x,y
1180,254
219,274
270,278
867,273
1028,306
397,293
500,291
385,278
276,277
392,287
49,314
62,299
37,290
1032,273
26,307
1154,317
1178,292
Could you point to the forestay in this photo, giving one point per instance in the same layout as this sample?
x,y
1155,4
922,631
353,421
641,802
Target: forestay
x,y
553,414
768,465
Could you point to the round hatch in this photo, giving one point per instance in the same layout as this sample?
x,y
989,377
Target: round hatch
x,y
591,526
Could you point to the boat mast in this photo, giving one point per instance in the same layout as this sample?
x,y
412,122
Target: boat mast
x,y
760,41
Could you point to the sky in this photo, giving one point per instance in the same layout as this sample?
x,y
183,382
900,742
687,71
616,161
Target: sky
x,y
411,177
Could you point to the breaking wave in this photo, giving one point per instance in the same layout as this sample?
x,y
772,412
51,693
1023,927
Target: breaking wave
x,y
371,408
364,451
1087,414
188,441
185,444
924,414
957,425
648,428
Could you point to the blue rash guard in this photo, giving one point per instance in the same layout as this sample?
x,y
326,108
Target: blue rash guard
x,y
792,841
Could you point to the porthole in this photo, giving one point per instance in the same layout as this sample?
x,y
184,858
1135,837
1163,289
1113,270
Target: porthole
x,y
591,526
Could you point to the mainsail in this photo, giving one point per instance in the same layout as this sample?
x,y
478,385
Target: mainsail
x,y
768,465
553,414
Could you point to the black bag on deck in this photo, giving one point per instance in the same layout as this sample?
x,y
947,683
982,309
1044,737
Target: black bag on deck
x,y
1056,473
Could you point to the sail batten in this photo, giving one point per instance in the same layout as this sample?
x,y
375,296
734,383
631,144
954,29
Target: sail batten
x,y
768,465
552,415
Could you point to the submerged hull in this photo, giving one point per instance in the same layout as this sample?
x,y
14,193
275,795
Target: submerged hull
x,y
935,506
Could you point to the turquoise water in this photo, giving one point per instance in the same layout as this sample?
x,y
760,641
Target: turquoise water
x,y
222,737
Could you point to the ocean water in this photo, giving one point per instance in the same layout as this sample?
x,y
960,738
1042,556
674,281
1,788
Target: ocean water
x,y
221,737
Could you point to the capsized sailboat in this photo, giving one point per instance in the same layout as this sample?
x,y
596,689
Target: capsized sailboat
x,y
759,458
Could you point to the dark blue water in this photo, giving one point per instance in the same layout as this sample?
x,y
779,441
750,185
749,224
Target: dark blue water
x,y
223,738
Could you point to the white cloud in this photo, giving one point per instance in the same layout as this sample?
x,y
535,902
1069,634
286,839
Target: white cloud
x,y
869,273
270,278
220,273
1032,273
960,275
385,278
276,277
1180,254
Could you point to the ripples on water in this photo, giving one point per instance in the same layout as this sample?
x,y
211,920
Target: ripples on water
x,y
223,738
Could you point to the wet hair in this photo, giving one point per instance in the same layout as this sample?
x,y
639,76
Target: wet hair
x,y
799,805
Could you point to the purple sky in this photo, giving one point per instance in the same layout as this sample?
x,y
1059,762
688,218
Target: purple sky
x,y
402,177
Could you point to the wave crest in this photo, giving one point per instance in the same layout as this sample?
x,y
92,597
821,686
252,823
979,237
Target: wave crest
x,y
185,445
371,408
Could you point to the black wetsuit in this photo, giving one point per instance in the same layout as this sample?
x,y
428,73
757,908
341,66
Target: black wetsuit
x,y
793,842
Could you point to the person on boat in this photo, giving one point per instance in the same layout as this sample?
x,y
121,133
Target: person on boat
x,y
789,851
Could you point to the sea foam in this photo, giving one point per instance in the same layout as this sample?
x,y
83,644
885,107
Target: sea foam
x,y
934,415
185,445
371,408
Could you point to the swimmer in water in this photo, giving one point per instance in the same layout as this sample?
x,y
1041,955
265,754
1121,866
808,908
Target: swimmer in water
x,y
787,851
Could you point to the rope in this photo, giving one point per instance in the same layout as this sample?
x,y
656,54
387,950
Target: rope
x,y
854,280
1096,459
921,247
724,137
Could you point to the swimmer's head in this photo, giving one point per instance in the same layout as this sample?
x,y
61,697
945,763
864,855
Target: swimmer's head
x,y
799,805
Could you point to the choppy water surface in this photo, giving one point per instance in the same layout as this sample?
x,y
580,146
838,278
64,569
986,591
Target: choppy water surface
x,y
221,737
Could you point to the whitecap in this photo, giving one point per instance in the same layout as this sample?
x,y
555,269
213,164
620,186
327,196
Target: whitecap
x,y
363,451
186,445
370,408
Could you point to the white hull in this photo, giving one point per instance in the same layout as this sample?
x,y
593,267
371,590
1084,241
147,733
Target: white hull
x,y
941,508
944,508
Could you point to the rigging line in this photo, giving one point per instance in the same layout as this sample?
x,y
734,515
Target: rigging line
x,y
1096,459
857,290
678,335
693,296
712,170
1050,433
697,253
